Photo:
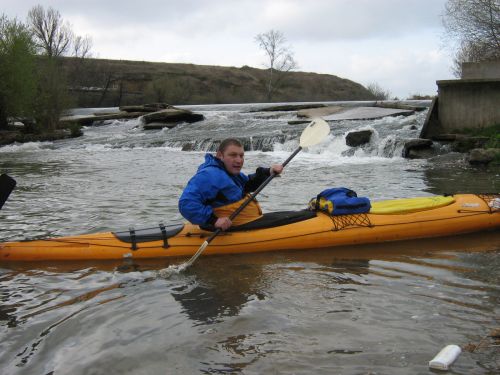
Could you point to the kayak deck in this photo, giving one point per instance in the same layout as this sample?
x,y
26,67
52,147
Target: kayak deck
x,y
462,213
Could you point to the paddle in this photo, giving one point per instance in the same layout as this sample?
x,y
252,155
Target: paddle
x,y
313,134
7,184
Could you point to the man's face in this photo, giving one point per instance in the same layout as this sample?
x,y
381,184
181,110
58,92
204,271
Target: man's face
x,y
233,158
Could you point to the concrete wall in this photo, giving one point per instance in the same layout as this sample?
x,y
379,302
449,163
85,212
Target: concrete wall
x,y
465,103
482,70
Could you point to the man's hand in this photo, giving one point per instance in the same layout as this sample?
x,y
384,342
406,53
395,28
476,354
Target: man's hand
x,y
276,169
223,223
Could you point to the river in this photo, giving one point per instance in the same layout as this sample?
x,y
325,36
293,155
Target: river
x,y
385,309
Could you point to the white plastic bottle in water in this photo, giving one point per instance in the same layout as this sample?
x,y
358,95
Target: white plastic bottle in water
x,y
445,357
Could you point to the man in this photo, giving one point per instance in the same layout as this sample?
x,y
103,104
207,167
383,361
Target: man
x,y
219,187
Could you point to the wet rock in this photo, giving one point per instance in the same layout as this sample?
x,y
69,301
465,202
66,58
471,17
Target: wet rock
x,y
187,147
152,107
160,125
298,122
8,137
287,107
366,113
465,144
172,115
417,148
89,120
358,138
480,156
320,112
447,137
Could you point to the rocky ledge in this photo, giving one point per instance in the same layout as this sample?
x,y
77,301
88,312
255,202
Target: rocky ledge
x,y
13,135
154,116
476,148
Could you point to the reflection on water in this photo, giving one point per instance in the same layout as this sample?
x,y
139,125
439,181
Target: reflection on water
x,y
385,308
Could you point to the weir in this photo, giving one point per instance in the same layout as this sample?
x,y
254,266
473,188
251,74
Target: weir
x,y
470,102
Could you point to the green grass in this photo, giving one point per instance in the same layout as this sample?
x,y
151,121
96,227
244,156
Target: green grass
x,y
492,132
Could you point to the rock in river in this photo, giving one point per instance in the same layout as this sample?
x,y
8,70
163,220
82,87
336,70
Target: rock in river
x,y
170,115
480,156
417,148
358,138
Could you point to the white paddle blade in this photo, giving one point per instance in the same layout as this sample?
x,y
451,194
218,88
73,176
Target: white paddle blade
x,y
315,132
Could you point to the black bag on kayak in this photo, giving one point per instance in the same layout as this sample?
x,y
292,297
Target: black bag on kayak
x,y
340,201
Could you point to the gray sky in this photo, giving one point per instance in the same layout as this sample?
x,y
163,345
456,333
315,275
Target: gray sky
x,y
395,43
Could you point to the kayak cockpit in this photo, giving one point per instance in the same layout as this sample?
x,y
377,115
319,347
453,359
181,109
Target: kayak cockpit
x,y
275,219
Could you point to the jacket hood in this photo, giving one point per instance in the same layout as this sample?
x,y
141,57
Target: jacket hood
x,y
211,161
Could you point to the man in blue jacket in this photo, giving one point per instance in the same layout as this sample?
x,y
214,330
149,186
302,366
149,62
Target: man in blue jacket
x,y
219,187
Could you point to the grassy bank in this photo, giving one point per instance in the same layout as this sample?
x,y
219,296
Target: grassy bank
x,y
108,83
492,133
485,138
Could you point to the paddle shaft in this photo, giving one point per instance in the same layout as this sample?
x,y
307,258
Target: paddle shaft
x,y
253,195
312,134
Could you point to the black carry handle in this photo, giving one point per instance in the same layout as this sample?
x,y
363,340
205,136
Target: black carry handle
x,y
7,184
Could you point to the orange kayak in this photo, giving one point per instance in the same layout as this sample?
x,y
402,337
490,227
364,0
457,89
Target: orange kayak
x,y
390,220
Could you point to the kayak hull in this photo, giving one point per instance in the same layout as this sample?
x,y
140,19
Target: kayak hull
x,y
468,213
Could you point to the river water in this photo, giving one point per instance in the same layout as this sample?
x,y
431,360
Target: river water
x,y
380,309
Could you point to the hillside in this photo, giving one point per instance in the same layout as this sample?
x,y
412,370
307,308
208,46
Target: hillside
x,y
102,83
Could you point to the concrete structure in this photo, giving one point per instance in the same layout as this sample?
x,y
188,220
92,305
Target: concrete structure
x,y
482,70
466,103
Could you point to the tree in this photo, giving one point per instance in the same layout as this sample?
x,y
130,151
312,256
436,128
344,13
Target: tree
x,y
378,92
170,89
54,39
53,36
474,26
17,70
82,47
52,96
280,59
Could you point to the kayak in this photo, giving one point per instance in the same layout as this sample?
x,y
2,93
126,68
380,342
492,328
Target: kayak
x,y
390,220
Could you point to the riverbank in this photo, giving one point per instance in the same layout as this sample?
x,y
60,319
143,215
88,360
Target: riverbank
x,y
15,134
141,81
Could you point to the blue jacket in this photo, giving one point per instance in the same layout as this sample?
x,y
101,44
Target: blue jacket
x,y
213,186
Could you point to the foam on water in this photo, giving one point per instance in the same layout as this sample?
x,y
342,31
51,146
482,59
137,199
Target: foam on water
x,y
25,147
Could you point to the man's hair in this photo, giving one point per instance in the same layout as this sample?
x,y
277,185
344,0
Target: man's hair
x,y
228,142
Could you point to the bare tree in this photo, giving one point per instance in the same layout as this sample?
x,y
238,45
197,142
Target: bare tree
x,y
54,39
468,52
53,36
378,91
475,27
280,58
82,47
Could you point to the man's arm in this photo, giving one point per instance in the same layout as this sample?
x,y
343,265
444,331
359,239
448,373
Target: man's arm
x,y
193,203
260,175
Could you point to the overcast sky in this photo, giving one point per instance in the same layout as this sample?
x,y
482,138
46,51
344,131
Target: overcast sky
x,y
397,44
